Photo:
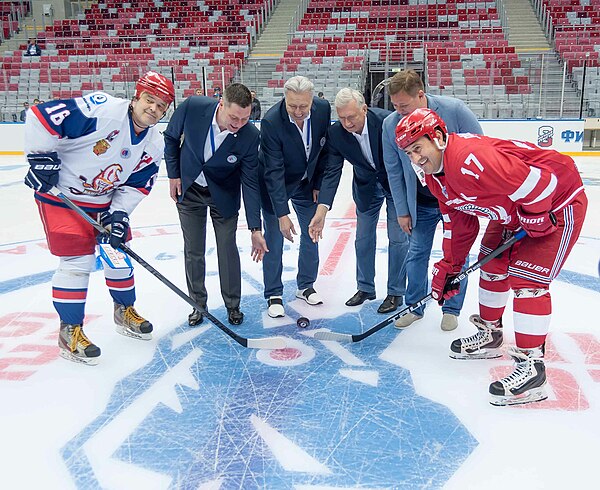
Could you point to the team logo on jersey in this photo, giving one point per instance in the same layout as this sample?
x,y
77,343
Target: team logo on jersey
x,y
231,159
545,136
112,135
125,153
98,99
498,213
101,147
102,183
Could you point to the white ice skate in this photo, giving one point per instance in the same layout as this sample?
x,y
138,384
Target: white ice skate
x,y
526,384
485,344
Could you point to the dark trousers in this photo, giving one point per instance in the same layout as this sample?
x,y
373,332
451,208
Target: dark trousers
x,y
192,216
308,257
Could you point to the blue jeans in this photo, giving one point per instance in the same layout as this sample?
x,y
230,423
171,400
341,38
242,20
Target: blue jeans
x,y
417,262
365,246
308,257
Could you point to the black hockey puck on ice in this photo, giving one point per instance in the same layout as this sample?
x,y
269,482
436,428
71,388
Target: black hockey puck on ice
x,y
303,322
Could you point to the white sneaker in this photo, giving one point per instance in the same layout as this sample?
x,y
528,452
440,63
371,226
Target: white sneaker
x,y
275,307
310,296
406,320
449,322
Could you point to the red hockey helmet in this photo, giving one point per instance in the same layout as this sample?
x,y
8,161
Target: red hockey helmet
x,y
157,85
420,122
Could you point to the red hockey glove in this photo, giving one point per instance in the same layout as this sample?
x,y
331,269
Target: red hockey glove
x,y
537,225
441,284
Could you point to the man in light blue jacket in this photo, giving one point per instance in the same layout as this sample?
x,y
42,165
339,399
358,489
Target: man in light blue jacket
x,y
417,209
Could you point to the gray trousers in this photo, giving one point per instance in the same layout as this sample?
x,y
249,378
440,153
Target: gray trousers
x,y
192,216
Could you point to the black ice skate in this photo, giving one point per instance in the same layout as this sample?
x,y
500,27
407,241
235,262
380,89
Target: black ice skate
x,y
131,324
526,384
485,344
75,346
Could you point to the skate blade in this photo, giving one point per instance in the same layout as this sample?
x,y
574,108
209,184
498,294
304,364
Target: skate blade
x,y
131,334
69,356
482,354
536,395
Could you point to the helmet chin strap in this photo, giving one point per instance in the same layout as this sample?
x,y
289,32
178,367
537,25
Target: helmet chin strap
x,y
437,144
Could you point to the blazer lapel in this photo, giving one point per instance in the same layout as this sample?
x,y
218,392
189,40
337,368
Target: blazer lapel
x,y
374,140
204,128
292,130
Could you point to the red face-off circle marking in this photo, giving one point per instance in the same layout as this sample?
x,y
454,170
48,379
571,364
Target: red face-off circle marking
x,y
287,354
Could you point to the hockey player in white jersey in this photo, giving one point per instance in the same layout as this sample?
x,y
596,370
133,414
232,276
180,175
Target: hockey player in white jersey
x,y
103,153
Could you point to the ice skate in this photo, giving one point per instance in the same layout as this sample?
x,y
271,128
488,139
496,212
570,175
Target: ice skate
x,y
75,346
131,324
485,344
526,384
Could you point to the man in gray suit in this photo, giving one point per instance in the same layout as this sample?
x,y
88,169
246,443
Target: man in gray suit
x,y
212,157
418,210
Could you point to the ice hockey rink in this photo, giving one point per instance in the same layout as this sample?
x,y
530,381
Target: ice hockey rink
x,y
192,409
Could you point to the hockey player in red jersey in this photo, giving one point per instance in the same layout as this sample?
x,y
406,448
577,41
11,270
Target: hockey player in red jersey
x,y
103,153
515,185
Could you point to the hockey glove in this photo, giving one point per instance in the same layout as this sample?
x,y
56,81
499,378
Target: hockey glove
x,y
43,171
537,225
441,284
117,225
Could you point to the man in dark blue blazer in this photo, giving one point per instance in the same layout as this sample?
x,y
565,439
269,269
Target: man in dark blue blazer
x,y
292,158
356,137
212,157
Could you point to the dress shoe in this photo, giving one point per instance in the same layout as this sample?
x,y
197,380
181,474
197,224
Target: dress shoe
x,y
275,304
390,303
196,317
235,316
359,298
310,296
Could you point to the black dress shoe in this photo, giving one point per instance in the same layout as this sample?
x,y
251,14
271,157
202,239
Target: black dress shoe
x,y
235,316
196,317
390,303
359,298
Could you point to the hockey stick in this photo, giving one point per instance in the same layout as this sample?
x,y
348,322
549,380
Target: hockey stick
x,y
344,337
264,343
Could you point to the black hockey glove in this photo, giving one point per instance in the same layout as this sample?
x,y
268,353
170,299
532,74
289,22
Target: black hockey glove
x,y
43,171
117,225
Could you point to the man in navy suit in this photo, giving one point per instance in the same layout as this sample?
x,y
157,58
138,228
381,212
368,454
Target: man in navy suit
x,y
212,153
356,137
292,158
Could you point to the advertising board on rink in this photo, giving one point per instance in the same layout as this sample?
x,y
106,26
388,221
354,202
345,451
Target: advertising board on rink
x,y
564,135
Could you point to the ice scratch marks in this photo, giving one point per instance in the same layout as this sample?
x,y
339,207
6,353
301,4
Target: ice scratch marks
x,y
104,443
183,338
289,455
368,377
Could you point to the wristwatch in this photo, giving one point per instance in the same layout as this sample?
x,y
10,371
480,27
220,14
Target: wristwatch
x,y
252,230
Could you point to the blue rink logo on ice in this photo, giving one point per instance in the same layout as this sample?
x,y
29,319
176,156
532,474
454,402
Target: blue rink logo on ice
x,y
205,411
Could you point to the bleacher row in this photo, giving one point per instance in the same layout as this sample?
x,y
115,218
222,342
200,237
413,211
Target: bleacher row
x,y
461,45
450,38
10,13
111,44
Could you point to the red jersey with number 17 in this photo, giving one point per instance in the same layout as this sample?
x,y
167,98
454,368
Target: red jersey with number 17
x,y
491,178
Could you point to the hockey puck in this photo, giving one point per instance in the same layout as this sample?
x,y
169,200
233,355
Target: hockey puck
x,y
303,322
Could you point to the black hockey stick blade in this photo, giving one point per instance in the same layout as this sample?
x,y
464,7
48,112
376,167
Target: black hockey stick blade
x,y
262,343
342,337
